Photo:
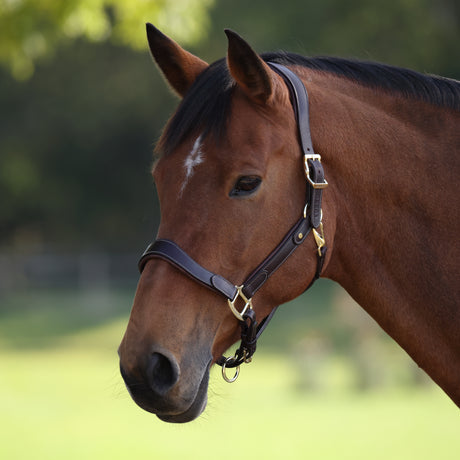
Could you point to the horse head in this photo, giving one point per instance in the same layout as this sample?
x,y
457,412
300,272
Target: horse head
x,y
230,184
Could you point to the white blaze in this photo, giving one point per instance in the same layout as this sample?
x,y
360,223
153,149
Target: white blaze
x,y
194,158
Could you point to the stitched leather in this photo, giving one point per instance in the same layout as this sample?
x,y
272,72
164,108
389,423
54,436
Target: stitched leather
x,y
170,251
316,194
276,258
300,103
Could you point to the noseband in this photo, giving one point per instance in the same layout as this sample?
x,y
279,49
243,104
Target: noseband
x,y
311,220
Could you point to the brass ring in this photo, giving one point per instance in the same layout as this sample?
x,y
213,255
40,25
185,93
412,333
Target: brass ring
x,y
224,375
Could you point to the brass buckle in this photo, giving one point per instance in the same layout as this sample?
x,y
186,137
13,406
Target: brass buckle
x,y
247,303
313,157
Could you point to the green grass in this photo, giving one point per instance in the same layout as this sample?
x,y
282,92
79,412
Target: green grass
x,y
69,402
65,400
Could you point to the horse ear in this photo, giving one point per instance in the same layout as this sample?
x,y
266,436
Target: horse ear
x,y
180,67
249,70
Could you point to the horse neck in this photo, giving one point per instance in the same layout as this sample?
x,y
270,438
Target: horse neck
x,y
392,168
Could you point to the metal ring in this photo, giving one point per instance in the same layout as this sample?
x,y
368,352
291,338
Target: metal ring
x,y
224,375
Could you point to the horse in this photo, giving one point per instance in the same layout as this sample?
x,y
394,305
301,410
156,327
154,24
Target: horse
x,y
357,157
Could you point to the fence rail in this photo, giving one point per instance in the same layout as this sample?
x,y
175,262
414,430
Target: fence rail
x,y
83,271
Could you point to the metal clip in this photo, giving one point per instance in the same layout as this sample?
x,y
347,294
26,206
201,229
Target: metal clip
x,y
319,238
247,303
313,157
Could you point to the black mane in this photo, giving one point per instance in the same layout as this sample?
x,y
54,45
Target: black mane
x,y
207,104
439,91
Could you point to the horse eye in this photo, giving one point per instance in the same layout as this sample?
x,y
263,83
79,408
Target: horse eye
x,y
246,185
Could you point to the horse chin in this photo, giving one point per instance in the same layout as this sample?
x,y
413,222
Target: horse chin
x,y
165,409
197,407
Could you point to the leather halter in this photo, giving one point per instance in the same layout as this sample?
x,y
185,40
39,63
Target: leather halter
x,y
311,219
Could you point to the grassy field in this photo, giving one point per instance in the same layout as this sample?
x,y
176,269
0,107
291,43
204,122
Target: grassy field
x,y
61,396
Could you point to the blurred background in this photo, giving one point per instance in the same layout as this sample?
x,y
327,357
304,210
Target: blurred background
x,y
81,107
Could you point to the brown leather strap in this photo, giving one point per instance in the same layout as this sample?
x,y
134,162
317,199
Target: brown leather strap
x,y
315,194
170,251
299,99
260,275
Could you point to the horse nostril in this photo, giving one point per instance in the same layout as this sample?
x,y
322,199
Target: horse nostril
x,y
162,373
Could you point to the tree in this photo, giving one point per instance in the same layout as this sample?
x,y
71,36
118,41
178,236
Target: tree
x,y
31,29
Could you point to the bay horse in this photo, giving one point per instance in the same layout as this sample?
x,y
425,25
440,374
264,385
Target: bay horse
x,y
374,148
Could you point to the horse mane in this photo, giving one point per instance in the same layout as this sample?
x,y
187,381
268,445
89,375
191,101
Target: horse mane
x,y
435,90
207,105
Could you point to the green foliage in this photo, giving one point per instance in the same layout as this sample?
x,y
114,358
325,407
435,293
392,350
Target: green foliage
x,y
75,150
30,29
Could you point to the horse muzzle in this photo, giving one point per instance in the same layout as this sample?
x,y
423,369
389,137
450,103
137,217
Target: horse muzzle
x,y
159,386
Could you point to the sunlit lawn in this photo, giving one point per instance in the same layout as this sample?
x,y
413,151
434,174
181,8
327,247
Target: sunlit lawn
x,y
68,402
